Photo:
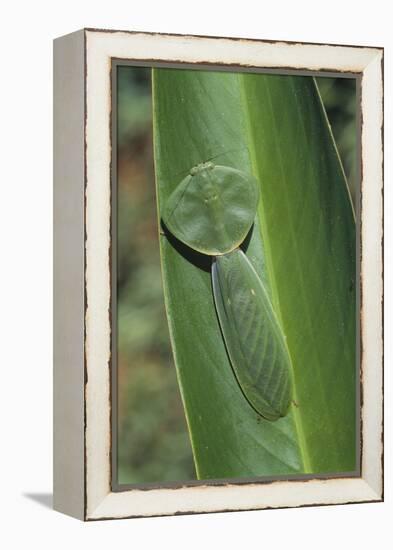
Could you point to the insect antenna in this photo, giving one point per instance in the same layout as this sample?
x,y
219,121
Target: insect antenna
x,y
178,174
226,152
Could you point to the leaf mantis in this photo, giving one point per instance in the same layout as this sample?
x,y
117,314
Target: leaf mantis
x,y
211,211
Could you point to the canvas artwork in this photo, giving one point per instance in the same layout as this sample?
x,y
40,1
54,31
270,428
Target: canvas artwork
x,y
235,215
218,274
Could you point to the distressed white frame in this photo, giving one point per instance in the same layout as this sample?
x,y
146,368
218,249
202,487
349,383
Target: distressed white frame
x,y
96,499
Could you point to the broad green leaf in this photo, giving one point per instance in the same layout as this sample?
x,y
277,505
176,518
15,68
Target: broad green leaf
x,y
199,115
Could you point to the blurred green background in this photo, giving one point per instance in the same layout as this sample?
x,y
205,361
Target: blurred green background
x,y
153,443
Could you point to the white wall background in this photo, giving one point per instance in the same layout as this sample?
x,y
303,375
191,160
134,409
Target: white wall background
x,y
27,29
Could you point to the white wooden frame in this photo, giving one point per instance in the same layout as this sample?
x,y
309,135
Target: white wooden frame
x,y
82,107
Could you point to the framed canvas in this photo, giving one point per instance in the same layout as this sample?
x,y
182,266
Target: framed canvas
x,y
218,331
